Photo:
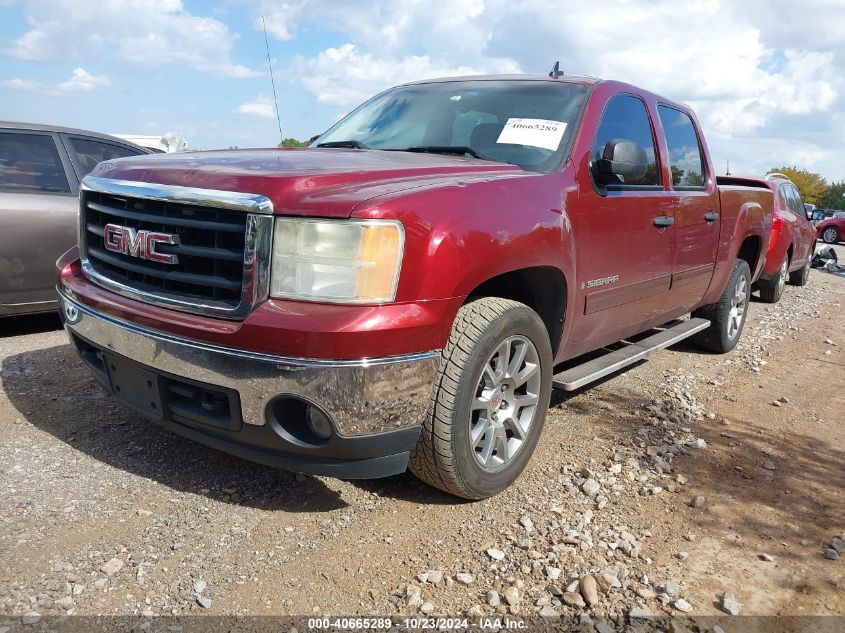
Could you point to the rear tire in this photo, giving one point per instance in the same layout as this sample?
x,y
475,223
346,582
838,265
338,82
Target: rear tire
x,y
801,276
772,290
490,400
830,235
727,316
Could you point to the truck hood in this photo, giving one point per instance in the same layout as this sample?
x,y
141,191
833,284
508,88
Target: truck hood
x,y
310,182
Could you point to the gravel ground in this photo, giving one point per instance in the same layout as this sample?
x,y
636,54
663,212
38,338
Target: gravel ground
x,y
691,483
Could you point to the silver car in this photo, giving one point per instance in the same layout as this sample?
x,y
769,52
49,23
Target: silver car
x,y
40,170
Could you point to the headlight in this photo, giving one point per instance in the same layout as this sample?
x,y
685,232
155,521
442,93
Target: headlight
x,y
344,261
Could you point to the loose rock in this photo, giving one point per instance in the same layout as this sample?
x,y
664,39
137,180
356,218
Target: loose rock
x,y
682,605
493,598
589,590
111,567
511,595
574,599
590,487
730,604
640,613
496,554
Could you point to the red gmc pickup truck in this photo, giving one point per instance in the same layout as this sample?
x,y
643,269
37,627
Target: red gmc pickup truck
x,y
407,291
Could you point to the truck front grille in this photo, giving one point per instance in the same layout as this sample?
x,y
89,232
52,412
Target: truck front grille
x,y
216,269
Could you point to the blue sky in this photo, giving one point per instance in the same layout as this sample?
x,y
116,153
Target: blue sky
x,y
152,99
769,86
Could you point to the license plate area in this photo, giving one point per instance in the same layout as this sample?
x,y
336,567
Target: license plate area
x,y
134,386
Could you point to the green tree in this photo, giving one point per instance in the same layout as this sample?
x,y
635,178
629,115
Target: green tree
x,y
833,197
810,185
292,142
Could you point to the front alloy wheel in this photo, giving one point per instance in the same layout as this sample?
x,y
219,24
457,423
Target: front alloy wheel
x,y
505,404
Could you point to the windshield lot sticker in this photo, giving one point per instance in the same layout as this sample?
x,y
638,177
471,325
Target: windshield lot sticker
x,y
534,132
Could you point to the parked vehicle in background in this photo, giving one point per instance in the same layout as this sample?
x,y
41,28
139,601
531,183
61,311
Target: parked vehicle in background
x,y
173,141
41,167
792,242
831,228
400,293
808,210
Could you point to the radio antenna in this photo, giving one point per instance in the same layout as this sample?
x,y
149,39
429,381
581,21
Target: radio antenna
x,y
272,80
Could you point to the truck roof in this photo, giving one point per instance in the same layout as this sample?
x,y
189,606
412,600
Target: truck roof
x,y
583,80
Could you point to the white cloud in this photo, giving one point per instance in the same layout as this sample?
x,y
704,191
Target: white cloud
x,y
80,81
346,75
260,107
150,33
83,81
764,83
23,84
280,19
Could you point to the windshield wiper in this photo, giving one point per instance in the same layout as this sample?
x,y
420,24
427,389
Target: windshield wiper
x,y
459,150
349,144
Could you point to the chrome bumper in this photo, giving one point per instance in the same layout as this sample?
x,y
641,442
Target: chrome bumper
x,y
361,396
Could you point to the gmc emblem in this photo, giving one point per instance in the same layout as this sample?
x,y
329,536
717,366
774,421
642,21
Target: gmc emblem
x,y
139,243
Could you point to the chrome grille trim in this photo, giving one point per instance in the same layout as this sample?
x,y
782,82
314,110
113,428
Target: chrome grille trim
x,y
248,202
258,235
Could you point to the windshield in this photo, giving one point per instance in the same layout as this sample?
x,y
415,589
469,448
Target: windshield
x,y
525,123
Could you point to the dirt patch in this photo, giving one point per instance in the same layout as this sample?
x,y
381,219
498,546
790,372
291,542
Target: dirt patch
x,y
84,481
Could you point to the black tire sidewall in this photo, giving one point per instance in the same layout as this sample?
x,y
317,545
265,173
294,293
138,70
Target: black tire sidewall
x,y
740,268
772,291
836,236
477,481
800,277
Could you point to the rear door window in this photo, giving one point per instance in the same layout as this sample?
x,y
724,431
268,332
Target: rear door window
x,y
685,156
30,162
791,199
88,152
797,205
626,117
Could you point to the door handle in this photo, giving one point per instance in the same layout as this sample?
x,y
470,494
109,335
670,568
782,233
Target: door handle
x,y
711,216
662,221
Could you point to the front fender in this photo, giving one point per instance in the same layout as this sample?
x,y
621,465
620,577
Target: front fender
x,y
460,235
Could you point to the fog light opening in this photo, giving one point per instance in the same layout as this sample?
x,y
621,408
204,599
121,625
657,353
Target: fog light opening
x,y
318,423
299,421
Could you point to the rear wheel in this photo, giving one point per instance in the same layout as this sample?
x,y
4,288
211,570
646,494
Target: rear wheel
x,y
490,400
772,290
727,316
830,235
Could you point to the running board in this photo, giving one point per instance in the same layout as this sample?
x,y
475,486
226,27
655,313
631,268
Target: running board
x,y
590,371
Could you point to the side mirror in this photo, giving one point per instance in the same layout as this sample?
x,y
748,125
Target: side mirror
x,y
312,139
621,161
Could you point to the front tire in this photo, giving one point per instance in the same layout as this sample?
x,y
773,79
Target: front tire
x,y
772,290
727,316
490,400
830,235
